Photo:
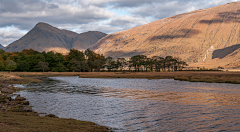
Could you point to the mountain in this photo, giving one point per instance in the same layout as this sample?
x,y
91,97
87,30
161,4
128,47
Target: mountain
x,y
1,47
85,40
44,37
207,38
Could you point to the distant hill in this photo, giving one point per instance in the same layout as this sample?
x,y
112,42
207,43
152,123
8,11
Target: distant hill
x,y
204,38
44,37
1,47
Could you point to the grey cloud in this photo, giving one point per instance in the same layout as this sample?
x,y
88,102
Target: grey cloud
x,y
25,14
159,10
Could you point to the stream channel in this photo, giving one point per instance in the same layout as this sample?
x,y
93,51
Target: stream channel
x,y
139,104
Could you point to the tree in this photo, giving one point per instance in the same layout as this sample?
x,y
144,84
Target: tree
x,y
33,60
23,66
43,66
60,68
98,64
168,62
137,61
75,54
121,62
2,65
10,65
74,65
149,63
91,57
109,62
158,62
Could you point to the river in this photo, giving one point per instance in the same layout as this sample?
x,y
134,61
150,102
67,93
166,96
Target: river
x,y
139,104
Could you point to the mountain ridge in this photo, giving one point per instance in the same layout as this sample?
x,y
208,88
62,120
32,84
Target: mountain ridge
x,y
44,37
192,36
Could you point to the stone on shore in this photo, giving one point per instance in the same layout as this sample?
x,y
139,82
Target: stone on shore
x,y
6,90
26,108
20,98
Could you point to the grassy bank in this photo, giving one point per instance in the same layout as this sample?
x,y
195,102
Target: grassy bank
x,y
198,76
192,76
16,115
28,122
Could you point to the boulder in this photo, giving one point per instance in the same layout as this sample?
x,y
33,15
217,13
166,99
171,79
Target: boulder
x,y
26,108
20,98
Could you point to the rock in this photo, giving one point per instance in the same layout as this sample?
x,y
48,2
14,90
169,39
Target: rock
x,y
20,98
26,108
14,79
51,115
6,90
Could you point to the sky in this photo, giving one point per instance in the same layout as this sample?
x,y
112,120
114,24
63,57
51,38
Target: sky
x,y
17,17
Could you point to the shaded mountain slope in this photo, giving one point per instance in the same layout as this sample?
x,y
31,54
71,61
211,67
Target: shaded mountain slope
x,y
85,40
1,47
44,37
193,36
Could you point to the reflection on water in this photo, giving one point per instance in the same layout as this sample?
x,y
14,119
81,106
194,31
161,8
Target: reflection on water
x,y
140,104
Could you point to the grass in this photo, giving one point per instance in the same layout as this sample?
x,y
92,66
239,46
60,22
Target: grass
x,y
192,76
28,122
198,76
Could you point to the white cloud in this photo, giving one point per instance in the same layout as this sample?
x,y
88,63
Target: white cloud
x,y
10,34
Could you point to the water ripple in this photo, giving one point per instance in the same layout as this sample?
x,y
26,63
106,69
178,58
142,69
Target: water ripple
x,y
140,104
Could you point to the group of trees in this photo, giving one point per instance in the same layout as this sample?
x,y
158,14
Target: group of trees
x,y
77,61
143,63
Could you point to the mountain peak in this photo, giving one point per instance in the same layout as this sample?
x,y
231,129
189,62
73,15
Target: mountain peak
x,y
42,24
44,37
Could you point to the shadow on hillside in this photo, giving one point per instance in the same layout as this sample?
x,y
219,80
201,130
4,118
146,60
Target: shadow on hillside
x,y
221,53
116,54
225,17
103,40
183,33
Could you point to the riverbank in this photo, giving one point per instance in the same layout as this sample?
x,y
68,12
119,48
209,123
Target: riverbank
x,y
197,76
17,115
192,76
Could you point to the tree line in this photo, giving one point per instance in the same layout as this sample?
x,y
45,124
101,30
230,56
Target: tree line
x,y
88,61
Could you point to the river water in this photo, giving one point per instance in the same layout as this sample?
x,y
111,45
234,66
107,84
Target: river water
x,y
139,104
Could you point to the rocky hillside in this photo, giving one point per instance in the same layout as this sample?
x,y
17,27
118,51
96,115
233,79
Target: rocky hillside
x,y
44,37
208,37
1,47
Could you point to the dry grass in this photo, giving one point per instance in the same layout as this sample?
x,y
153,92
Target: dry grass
x,y
28,122
203,76
197,76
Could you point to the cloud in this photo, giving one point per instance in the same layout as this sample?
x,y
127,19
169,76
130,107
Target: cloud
x,y
10,34
85,15
25,14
